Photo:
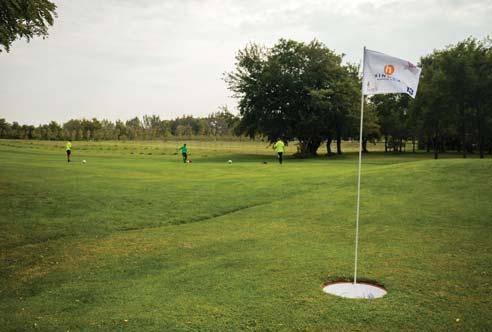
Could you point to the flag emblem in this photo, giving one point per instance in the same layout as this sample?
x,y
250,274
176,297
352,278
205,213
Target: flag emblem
x,y
389,69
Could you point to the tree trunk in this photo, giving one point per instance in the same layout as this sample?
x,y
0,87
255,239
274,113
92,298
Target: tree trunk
x,y
328,145
413,144
480,134
463,130
364,145
313,146
309,147
435,144
385,143
339,144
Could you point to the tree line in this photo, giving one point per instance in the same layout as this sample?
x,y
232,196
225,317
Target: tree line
x,y
150,127
304,92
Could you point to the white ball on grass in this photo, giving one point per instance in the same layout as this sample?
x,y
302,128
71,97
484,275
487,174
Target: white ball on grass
x,y
84,161
230,161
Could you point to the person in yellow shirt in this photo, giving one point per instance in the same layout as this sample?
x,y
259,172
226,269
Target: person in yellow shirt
x,y
69,150
279,146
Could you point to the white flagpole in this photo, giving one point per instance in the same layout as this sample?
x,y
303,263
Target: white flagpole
x,y
358,177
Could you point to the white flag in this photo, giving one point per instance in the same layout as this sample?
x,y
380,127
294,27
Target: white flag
x,y
387,74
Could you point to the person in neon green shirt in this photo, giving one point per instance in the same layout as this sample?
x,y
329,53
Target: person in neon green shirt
x,y
279,146
184,152
68,147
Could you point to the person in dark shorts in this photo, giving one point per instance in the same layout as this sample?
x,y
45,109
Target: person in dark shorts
x,y
279,147
69,150
184,152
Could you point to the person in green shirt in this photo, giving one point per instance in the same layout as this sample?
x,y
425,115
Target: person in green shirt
x,y
279,146
69,150
184,152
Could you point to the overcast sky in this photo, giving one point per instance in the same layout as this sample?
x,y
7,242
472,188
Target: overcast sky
x,y
117,59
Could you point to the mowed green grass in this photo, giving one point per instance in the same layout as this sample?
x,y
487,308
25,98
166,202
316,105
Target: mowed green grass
x,y
135,240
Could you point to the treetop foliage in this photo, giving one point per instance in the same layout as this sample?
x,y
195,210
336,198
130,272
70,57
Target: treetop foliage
x,y
24,19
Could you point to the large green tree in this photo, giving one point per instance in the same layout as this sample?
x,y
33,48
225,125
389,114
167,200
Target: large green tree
x,y
293,91
455,96
24,19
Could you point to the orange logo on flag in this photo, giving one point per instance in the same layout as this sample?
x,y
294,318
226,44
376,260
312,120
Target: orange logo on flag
x,y
389,69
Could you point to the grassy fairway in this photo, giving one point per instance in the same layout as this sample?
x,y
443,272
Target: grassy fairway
x,y
135,240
